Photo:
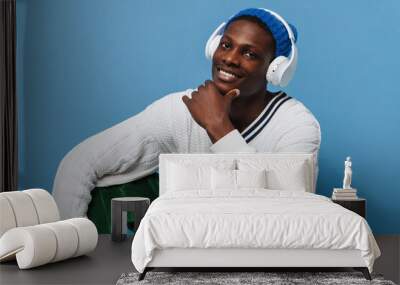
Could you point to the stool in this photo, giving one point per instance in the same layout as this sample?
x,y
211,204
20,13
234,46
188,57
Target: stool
x,y
119,207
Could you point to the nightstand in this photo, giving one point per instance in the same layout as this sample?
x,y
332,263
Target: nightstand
x,y
119,208
357,206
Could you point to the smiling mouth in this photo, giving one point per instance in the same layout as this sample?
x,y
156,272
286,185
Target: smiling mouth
x,y
227,76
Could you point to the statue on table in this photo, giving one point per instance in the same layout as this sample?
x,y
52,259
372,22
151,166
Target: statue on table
x,y
347,173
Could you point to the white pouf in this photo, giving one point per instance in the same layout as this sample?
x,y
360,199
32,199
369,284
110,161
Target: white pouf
x,y
40,244
30,230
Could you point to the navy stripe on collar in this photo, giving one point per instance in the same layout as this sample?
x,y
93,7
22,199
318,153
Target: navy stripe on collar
x,y
256,127
262,115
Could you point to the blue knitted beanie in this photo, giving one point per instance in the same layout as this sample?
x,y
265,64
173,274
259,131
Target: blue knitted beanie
x,y
277,28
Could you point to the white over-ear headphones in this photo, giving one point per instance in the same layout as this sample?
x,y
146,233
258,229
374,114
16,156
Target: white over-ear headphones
x,y
280,70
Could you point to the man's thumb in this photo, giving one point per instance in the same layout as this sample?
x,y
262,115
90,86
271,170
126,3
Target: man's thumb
x,y
232,94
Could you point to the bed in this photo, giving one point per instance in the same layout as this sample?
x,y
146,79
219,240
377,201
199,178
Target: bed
x,y
248,210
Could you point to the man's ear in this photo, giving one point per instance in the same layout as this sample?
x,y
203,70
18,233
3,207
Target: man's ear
x,y
271,58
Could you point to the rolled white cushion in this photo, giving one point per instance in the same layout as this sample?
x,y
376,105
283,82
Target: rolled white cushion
x,y
67,239
40,244
46,207
87,235
23,208
33,246
26,208
7,218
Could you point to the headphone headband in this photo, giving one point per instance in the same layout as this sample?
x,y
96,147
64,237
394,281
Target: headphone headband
x,y
293,52
283,21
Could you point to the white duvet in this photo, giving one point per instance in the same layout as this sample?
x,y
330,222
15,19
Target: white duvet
x,y
250,219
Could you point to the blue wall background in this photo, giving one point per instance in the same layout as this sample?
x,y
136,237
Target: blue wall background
x,y
84,66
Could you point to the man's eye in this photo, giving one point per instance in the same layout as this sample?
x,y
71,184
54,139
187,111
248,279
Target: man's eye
x,y
225,45
250,54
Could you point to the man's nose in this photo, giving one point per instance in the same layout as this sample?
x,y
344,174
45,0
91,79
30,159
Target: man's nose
x,y
231,57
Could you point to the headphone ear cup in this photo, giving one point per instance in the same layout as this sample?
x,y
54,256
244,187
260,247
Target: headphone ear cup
x,y
212,45
213,41
276,69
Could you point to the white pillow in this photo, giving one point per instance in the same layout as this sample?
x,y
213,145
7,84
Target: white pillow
x,y
237,179
185,175
293,180
282,174
223,179
251,178
183,178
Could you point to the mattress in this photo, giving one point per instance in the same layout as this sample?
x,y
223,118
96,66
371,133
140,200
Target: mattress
x,y
251,219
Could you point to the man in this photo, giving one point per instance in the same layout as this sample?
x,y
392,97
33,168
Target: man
x,y
238,71
233,112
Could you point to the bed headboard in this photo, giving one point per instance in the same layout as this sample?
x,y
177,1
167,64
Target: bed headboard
x,y
210,158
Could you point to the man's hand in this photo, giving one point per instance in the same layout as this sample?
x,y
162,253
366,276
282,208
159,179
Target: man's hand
x,y
210,109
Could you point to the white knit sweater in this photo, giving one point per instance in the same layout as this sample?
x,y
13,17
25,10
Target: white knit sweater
x,y
130,149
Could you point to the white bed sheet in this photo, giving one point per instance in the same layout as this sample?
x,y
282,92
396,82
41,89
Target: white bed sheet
x,y
252,218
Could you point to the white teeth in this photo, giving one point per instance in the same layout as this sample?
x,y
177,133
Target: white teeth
x,y
227,73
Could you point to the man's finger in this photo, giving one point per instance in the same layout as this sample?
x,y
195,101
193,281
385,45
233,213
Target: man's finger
x,y
233,93
212,85
186,100
208,82
194,94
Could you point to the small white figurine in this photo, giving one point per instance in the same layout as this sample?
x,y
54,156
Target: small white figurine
x,y
347,173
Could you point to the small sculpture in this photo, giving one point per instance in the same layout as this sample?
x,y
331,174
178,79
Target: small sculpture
x,y
347,173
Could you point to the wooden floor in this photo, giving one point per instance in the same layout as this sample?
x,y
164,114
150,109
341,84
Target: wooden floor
x,y
389,262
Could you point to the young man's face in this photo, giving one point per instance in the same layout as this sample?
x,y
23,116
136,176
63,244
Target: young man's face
x,y
242,58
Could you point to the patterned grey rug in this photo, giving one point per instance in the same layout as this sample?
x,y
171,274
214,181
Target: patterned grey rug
x,y
269,278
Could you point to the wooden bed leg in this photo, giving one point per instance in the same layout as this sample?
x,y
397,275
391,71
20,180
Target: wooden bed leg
x,y
143,274
364,271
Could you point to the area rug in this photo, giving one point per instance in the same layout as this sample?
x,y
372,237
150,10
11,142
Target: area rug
x,y
244,278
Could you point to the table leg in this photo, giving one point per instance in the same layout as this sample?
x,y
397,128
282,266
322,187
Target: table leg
x,y
116,221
